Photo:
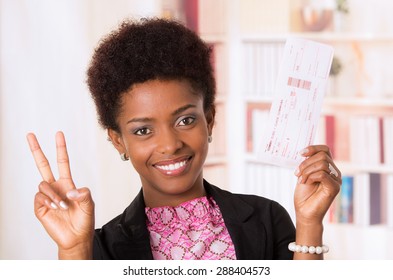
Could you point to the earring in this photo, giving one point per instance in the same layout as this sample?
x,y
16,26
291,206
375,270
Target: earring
x,y
209,139
124,157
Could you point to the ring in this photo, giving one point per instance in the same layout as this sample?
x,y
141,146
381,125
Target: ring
x,y
333,171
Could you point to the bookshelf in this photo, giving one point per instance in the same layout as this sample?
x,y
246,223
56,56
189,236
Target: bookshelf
x,y
356,122
209,20
357,126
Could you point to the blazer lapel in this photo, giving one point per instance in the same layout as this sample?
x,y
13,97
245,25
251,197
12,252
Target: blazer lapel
x,y
247,232
134,241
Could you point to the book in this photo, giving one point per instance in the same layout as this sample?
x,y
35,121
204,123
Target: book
x,y
220,68
340,137
387,140
365,139
346,200
212,17
389,199
368,199
261,65
375,198
361,199
330,133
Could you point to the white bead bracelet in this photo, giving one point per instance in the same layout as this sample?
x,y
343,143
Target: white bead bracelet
x,y
308,249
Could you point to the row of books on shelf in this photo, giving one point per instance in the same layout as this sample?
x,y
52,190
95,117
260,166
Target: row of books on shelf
x,y
364,140
361,139
203,16
272,182
357,70
261,66
365,199
219,64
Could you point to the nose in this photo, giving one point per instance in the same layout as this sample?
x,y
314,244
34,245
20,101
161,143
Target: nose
x,y
168,142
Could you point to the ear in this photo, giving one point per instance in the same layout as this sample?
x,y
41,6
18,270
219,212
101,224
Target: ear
x,y
210,118
117,141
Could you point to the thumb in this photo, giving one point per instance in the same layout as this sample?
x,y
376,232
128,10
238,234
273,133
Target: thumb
x,y
83,197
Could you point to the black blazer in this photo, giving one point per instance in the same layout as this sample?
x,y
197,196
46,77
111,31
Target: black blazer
x,y
260,228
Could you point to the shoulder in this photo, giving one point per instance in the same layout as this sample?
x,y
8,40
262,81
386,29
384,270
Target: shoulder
x,y
240,200
260,227
125,236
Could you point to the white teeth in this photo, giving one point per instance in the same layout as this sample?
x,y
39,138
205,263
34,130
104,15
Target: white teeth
x,y
172,167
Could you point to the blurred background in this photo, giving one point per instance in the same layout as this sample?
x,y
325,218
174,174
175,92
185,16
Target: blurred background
x,y
45,48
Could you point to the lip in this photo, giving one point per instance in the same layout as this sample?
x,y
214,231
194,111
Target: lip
x,y
173,167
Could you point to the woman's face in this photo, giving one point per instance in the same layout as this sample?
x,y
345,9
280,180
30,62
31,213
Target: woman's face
x,y
164,131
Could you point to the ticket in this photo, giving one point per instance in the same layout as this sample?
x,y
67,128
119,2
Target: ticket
x,y
297,102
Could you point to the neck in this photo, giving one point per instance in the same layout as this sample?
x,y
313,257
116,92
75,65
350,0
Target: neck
x,y
165,196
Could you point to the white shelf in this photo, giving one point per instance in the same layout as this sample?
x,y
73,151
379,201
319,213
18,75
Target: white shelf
x,y
258,99
350,168
352,242
347,241
359,101
214,38
336,101
345,167
319,36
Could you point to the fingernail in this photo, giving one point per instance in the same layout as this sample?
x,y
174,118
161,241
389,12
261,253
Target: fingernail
x,y
73,194
63,205
297,171
304,151
299,180
53,205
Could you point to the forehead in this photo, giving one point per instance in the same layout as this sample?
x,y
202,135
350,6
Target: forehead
x,y
156,96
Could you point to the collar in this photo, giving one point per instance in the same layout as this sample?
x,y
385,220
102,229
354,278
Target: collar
x,y
233,209
237,216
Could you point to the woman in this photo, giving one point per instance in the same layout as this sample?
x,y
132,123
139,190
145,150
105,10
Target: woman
x,y
154,91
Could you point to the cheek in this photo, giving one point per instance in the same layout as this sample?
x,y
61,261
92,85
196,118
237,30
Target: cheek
x,y
199,141
139,152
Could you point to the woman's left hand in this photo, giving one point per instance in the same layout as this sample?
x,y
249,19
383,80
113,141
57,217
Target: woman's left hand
x,y
319,181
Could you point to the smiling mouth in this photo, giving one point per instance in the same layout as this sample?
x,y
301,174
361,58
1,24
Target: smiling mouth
x,y
174,167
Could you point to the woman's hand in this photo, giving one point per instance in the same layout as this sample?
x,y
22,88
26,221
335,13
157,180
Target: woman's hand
x,y
66,213
319,181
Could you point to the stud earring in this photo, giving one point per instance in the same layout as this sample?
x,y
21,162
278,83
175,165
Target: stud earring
x,y
209,139
124,157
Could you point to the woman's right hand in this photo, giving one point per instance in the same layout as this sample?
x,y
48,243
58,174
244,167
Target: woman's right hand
x,y
67,213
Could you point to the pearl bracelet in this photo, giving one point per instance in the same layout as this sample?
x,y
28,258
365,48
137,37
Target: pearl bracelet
x,y
308,249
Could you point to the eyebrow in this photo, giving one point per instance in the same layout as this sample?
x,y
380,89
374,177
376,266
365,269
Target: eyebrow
x,y
174,113
182,109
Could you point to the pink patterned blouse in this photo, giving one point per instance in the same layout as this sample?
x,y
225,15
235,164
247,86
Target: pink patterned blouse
x,y
193,230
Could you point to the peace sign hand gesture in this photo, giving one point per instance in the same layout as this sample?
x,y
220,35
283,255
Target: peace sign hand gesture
x,y
67,213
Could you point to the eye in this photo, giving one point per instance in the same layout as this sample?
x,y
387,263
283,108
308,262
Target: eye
x,y
186,121
142,131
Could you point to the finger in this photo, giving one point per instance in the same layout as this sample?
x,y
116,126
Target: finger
x,y
319,197
314,149
55,200
321,176
40,160
317,172
63,162
312,161
310,167
42,201
83,196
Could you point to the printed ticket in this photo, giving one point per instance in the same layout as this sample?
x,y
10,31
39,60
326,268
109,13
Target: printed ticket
x,y
297,103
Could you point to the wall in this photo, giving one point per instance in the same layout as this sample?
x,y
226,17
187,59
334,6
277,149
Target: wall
x,y
45,49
